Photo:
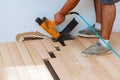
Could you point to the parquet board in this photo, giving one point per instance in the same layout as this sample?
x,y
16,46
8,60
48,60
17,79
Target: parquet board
x,y
32,60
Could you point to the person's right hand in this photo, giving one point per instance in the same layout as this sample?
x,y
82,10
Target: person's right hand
x,y
59,18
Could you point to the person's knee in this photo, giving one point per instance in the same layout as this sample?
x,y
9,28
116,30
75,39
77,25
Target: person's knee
x,y
109,2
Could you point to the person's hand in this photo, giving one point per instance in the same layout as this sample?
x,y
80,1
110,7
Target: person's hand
x,y
59,18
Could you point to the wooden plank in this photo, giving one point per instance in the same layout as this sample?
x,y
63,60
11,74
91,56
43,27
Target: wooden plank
x,y
86,65
23,60
43,71
97,68
69,42
116,45
48,45
30,66
109,67
19,64
60,69
112,57
105,62
90,64
3,75
8,63
75,70
55,44
38,46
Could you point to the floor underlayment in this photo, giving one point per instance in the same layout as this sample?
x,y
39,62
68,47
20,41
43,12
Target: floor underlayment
x,y
48,60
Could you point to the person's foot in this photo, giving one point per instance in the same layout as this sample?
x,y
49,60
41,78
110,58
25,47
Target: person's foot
x,y
88,33
95,50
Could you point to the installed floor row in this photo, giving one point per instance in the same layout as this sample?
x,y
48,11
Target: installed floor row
x,y
48,60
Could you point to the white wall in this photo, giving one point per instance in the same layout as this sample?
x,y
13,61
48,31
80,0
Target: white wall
x,y
17,16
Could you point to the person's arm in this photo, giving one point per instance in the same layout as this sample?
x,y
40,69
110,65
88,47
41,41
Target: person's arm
x,y
69,5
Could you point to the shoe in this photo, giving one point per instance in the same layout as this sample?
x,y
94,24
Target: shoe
x,y
95,50
88,33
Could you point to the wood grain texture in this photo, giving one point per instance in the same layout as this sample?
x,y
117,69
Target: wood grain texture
x,y
43,71
8,63
19,64
26,60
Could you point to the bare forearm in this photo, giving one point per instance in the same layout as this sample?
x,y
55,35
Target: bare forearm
x,y
69,5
